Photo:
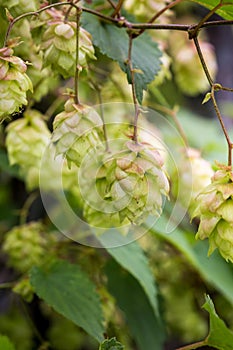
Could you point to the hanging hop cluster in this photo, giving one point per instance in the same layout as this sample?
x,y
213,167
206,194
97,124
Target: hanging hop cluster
x,y
26,141
194,174
77,129
132,182
215,207
59,45
14,83
27,245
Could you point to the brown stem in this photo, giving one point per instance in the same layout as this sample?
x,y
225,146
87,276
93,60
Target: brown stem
x,y
118,21
135,101
34,13
204,66
159,13
25,209
97,88
193,346
193,33
77,67
7,285
173,115
117,10
229,143
112,4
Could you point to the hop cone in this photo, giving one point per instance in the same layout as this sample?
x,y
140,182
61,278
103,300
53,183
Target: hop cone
x,y
26,246
26,141
131,183
14,83
214,207
189,74
25,289
194,175
59,46
76,130
17,7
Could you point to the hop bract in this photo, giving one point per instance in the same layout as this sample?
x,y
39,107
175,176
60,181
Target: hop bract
x,y
59,46
131,184
14,83
26,141
76,130
215,209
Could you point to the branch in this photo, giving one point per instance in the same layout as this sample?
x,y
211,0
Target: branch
x,y
34,13
159,13
121,22
215,87
118,8
193,346
173,114
204,66
135,101
193,33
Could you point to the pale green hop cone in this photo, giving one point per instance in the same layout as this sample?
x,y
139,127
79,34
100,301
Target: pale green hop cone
x,y
193,175
26,141
214,206
59,46
27,245
130,185
77,130
14,83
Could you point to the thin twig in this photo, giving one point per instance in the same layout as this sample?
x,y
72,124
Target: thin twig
x,y
193,346
34,13
117,10
204,66
193,33
7,285
98,90
173,115
119,21
25,209
159,13
77,67
112,4
135,101
229,143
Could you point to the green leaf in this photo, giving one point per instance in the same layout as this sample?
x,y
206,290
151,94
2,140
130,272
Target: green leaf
x,y
206,98
220,337
5,343
226,11
69,291
214,269
146,329
111,344
132,258
114,43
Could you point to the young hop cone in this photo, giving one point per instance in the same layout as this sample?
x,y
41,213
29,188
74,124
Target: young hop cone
x,y
59,46
14,83
77,129
194,174
214,206
27,245
26,141
132,183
